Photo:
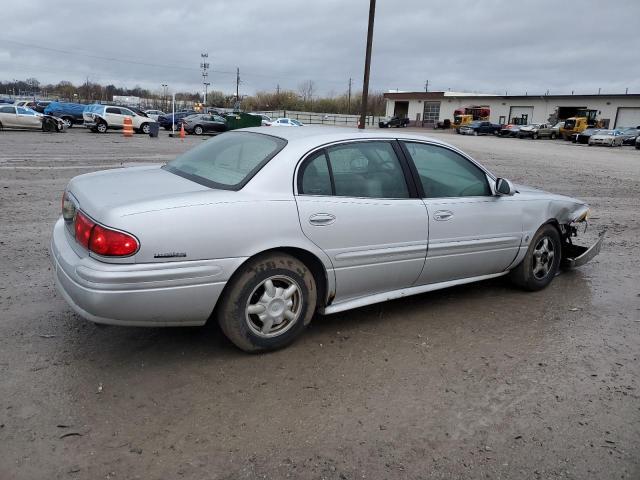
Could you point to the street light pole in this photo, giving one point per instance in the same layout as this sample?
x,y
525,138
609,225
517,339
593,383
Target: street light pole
x,y
367,64
164,96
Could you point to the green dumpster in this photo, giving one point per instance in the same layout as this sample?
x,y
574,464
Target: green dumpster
x,y
242,120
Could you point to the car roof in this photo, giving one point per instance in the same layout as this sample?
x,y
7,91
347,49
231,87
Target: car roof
x,y
315,136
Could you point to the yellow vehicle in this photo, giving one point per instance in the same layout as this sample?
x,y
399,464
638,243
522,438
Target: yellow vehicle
x,y
460,120
582,120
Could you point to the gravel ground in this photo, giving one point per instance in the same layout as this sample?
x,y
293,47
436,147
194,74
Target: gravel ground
x,y
480,381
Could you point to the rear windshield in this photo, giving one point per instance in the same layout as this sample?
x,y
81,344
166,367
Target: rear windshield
x,y
227,161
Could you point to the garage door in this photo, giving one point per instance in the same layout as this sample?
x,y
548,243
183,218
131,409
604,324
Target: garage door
x,y
628,117
520,115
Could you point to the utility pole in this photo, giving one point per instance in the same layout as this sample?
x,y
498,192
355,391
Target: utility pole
x,y
204,65
164,96
367,64
349,98
278,89
238,84
426,86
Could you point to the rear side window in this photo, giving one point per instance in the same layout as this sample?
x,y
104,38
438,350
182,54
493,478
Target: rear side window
x,y
316,179
227,161
113,110
7,110
445,173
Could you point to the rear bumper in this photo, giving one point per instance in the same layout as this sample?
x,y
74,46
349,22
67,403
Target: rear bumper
x,y
157,294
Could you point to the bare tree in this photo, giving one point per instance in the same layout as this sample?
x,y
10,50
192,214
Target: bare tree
x,y
306,90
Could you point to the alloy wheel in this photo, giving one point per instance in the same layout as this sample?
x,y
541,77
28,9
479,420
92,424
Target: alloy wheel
x,y
543,258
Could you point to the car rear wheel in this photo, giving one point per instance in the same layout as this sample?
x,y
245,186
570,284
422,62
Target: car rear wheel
x,y
553,136
541,261
268,303
68,122
475,133
101,127
198,130
534,136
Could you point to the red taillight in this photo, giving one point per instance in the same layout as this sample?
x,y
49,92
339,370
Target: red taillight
x,y
103,240
110,243
83,227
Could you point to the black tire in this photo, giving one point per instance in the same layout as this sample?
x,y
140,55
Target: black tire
x,y
167,128
2,128
145,128
101,127
68,121
637,144
246,286
553,136
48,125
525,275
198,130
534,136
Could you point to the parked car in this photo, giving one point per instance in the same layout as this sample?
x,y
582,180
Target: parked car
x,y
41,105
629,135
203,123
480,127
100,118
345,219
287,122
26,103
70,113
510,130
609,138
167,120
537,130
393,122
583,137
12,116
154,114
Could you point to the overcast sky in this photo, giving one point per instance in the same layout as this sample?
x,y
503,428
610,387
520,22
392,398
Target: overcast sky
x,y
488,46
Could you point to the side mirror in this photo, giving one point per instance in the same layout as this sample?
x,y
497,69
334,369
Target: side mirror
x,y
504,187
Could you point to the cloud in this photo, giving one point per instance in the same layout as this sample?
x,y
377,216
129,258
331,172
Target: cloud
x,y
490,46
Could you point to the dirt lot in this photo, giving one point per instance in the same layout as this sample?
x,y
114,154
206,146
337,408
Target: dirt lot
x,y
482,381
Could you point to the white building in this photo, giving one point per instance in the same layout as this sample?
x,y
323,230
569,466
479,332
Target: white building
x,y
427,108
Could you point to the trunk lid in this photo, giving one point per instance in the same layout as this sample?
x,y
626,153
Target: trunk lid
x,y
110,194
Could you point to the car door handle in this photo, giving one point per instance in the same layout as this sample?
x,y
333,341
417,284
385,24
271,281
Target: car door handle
x,y
443,215
322,219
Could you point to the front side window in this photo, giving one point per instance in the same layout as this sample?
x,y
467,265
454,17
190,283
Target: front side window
x,y
227,161
445,173
367,169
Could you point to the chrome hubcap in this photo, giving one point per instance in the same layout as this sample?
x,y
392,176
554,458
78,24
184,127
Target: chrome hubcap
x,y
543,257
274,306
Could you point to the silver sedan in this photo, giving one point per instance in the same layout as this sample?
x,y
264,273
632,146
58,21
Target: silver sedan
x,y
261,231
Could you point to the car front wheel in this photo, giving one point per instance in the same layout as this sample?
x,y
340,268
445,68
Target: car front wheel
x,y
268,303
101,127
541,262
198,130
145,128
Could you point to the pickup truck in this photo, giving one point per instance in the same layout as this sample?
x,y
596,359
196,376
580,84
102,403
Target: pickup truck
x,y
393,122
480,127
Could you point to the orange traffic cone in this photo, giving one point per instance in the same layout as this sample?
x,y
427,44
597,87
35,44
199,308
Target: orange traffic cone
x,y
128,127
182,132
